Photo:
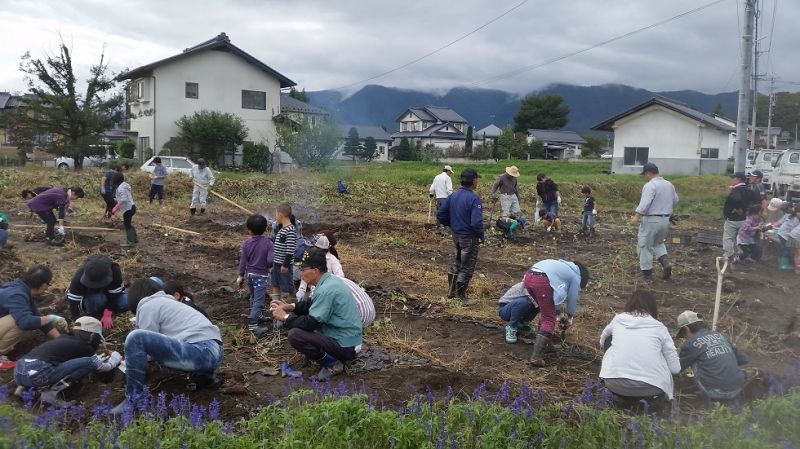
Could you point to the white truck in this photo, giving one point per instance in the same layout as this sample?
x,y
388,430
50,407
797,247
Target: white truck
x,y
786,176
763,162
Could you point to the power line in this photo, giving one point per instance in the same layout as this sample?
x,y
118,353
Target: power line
x,y
771,33
414,61
522,70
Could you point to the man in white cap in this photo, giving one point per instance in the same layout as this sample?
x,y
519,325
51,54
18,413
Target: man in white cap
x,y
714,360
441,188
509,193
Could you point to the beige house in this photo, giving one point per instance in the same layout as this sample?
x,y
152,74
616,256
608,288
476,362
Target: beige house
x,y
214,75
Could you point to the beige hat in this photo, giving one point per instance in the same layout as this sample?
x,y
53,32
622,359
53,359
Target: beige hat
x,y
88,324
686,318
775,204
513,171
448,168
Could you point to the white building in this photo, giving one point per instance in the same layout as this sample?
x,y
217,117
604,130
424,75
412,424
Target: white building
x,y
561,145
677,138
489,133
214,75
383,141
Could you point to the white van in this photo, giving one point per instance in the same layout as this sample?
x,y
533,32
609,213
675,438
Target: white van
x,y
786,175
763,162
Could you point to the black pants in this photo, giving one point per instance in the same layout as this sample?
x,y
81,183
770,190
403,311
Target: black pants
x,y
127,217
110,203
315,345
466,256
752,251
49,219
156,190
636,405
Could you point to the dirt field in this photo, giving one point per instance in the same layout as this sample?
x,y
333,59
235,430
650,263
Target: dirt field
x,y
421,340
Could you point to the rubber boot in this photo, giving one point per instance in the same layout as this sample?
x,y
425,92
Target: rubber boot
x,y
201,381
784,263
50,395
130,238
451,284
647,275
511,334
202,210
330,367
461,290
797,262
664,261
192,210
524,326
542,340
160,202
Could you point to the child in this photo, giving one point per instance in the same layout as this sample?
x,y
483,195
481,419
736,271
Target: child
x,y
550,220
285,244
783,228
589,210
178,291
56,364
749,239
255,264
510,224
157,182
124,198
517,308
3,230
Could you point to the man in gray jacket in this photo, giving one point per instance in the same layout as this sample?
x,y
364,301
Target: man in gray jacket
x,y
203,179
171,334
714,360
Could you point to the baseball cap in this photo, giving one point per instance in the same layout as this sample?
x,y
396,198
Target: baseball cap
x,y
96,272
686,318
756,173
448,168
739,174
88,324
649,168
313,258
322,242
157,280
775,204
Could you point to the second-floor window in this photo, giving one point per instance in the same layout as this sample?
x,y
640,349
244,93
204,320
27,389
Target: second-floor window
x,y
192,90
254,99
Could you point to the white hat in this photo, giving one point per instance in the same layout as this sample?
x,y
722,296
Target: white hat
x,y
686,318
89,324
775,204
322,242
448,168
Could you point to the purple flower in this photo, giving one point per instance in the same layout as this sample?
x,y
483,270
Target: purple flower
x,y
480,392
160,410
504,394
213,410
227,427
27,397
429,396
197,416
4,392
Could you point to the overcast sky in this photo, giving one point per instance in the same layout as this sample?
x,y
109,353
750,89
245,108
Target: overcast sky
x,y
327,44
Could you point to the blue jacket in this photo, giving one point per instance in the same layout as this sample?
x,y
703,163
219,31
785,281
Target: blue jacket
x,y
463,212
16,300
565,280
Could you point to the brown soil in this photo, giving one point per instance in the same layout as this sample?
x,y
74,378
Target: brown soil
x,y
422,340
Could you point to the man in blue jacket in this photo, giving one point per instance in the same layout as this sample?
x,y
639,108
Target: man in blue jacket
x,y
18,312
463,213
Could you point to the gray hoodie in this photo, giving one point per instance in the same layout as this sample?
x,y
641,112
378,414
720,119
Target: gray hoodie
x,y
162,314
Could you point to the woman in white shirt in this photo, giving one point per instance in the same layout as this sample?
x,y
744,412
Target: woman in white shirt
x,y
640,356
334,266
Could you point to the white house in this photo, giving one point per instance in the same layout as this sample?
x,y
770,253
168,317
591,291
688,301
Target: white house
x,y
436,125
383,141
297,110
677,138
558,144
489,133
214,75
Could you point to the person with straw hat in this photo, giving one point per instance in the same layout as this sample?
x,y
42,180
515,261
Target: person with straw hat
x,y
509,192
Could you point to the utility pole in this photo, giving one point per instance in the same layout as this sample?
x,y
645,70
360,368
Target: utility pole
x,y
740,157
755,78
769,113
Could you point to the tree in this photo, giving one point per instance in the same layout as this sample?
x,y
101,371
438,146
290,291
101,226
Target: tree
x,y
468,142
718,110
74,119
126,148
369,149
211,133
21,131
541,112
299,95
352,145
536,149
505,143
404,152
178,146
593,146
255,156
309,146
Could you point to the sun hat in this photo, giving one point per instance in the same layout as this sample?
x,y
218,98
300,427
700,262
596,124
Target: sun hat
x,y
96,272
686,318
513,171
448,168
775,204
321,241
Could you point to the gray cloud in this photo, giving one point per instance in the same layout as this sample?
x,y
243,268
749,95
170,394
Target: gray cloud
x,y
323,44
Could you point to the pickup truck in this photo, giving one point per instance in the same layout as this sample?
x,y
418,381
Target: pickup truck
x,y
786,175
763,162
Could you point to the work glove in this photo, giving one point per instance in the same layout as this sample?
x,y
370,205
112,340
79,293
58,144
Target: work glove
x,y
559,200
61,231
240,282
430,195
564,321
673,220
538,204
114,359
107,320
115,208
594,211
58,322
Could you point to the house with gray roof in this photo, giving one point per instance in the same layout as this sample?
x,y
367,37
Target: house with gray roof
x,y
677,138
383,141
297,110
436,125
561,145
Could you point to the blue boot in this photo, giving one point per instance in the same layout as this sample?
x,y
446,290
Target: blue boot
x,y
330,367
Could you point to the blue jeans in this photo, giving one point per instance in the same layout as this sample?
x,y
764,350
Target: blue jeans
x,y
519,310
203,357
284,281
552,206
47,374
258,292
3,237
716,393
588,220
94,303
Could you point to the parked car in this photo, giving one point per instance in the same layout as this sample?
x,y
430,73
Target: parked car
x,y
173,164
66,162
763,162
786,175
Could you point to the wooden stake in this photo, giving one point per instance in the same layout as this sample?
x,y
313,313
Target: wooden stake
x,y
172,228
68,228
226,199
720,276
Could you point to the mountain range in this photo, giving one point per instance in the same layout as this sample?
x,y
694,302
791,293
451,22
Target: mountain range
x,y
589,105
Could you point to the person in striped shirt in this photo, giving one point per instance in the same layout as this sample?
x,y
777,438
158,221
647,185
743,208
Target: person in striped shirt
x,y
285,241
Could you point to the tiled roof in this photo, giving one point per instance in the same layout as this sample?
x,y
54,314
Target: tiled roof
x,y
376,132
673,105
291,104
556,136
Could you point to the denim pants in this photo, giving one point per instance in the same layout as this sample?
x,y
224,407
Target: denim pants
x,y
3,237
49,219
716,393
466,249
517,311
155,190
94,304
729,232
588,219
283,281
552,206
202,357
34,373
258,292
650,246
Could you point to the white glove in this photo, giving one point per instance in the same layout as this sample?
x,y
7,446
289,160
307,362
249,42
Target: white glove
x,y
537,205
594,211
559,200
60,230
114,359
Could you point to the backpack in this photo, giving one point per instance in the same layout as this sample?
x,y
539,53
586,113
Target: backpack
x,y
301,247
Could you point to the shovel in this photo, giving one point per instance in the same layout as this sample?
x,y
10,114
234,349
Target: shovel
x,y
720,275
430,206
